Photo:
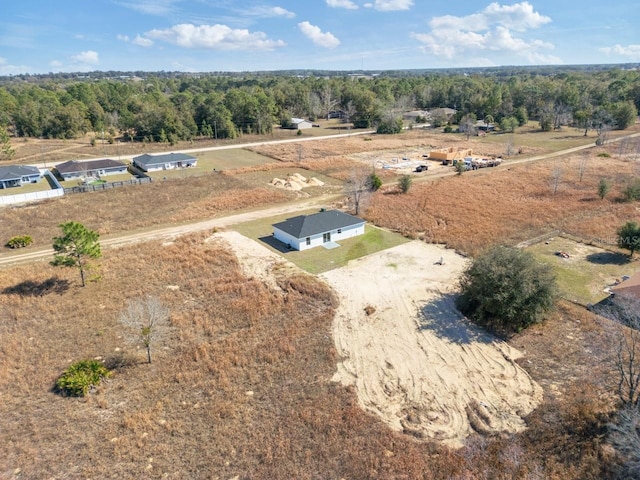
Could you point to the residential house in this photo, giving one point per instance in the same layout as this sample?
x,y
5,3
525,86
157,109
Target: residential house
x,y
323,228
165,161
90,168
300,124
18,175
629,287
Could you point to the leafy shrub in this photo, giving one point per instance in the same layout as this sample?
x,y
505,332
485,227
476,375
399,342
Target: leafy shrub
x,y
632,192
604,155
374,182
80,376
448,129
19,241
506,290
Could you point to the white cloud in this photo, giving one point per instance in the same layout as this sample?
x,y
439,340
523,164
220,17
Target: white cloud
x,y
490,29
219,37
390,5
55,64
8,69
123,38
630,51
141,41
269,12
348,4
317,36
88,57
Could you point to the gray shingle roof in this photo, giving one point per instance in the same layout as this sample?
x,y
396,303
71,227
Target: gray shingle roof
x,y
147,159
308,225
73,166
16,172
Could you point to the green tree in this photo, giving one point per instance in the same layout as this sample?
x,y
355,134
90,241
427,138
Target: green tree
x,y
506,290
603,188
404,183
629,237
624,115
6,150
75,247
390,125
374,182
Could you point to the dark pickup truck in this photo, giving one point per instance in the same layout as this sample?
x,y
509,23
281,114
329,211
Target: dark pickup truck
x,y
422,168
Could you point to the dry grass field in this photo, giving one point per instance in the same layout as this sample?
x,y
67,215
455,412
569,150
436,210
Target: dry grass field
x,y
241,388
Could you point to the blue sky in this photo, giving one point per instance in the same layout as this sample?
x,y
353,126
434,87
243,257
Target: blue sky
x,y
40,36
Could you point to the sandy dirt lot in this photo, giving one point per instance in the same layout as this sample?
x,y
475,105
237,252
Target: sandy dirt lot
x,y
415,362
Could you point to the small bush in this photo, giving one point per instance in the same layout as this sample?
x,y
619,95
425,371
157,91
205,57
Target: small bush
x,y
448,129
632,191
19,241
604,155
80,377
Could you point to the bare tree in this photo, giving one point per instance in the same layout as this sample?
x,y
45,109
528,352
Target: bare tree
x,y
624,431
556,177
468,126
358,189
582,164
147,320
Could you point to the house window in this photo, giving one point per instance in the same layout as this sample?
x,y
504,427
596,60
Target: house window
x,y
308,240
339,230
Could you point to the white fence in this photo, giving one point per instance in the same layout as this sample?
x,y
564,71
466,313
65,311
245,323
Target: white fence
x,y
32,196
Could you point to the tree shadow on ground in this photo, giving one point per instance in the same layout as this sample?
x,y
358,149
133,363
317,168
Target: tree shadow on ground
x,y
29,288
607,258
441,317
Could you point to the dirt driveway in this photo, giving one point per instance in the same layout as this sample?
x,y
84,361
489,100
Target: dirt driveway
x,y
415,362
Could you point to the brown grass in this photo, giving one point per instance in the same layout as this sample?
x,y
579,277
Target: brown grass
x,y
242,388
508,204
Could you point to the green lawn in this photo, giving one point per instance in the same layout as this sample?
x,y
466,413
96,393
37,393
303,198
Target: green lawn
x,y
319,259
589,270
41,186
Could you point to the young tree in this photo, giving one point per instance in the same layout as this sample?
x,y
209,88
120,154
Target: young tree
x,y
75,247
603,188
404,183
148,322
468,125
556,178
6,150
629,237
506,289
582,164
374,182
358,189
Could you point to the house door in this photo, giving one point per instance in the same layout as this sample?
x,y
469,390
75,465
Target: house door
x,y
326,237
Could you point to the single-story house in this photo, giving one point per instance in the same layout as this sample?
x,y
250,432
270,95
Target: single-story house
x,y
300,124
629,287
90,168
17,175
308,231
485,127
165,161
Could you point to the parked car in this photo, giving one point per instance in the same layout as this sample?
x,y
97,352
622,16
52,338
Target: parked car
x,y
422,168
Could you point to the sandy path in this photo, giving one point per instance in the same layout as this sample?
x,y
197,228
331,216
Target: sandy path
x,y
415,362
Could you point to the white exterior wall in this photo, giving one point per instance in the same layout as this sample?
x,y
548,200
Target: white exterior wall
x,y
317,240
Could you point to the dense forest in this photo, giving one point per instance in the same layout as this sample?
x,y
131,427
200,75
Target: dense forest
x,y
167,107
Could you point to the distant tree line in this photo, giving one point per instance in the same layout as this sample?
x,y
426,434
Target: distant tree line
x,y
166,107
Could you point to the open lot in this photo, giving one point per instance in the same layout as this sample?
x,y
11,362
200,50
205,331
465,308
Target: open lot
x,y
415,362
587,271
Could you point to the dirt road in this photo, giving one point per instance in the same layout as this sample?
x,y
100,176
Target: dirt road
x,y
12,258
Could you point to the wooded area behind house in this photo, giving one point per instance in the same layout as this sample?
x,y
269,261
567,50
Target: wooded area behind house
x,y
161,107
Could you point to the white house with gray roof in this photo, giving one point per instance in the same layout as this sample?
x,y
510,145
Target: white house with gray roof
x,y
165,161
323,228
17,175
